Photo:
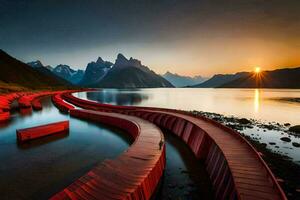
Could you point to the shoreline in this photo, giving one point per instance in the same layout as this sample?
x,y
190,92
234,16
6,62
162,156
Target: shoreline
x,y
291,100
286,170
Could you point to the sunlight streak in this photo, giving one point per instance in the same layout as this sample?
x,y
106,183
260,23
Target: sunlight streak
x,y
256,100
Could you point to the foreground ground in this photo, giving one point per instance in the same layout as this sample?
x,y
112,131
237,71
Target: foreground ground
x,y
286,169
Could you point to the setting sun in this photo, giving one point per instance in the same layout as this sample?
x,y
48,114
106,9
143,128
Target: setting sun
x,y
257,70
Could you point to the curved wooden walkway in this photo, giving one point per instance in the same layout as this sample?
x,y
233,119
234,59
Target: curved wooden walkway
x,y
32,100
5,101
134,174
236,169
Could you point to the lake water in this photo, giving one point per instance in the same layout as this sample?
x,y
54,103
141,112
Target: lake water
x,y
37,169
261,104
266,105
46,166
40,168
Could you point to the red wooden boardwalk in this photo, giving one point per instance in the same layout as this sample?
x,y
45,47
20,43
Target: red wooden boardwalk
x,y
236,169
26,101
32,100
60,104
5,101
134,174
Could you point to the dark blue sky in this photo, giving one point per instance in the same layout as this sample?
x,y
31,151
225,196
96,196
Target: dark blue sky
x,y
188,37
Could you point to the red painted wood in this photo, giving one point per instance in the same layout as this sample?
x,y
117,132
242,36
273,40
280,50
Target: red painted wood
x,y
7,99
225,152
42,131
32,100
4,116
132,175
61,104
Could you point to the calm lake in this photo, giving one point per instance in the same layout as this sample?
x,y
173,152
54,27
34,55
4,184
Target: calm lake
x,y
261,104
265,105
42,167
46,166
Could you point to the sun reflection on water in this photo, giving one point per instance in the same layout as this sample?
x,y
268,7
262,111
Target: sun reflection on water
x,y
256,100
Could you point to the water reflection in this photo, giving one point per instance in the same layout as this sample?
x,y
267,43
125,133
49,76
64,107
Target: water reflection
x,y
118,97
256,100
261,104
185,177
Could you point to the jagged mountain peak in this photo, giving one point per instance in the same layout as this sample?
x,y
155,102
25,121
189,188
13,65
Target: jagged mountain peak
x,y
122,61
36,63
100,60
39,64
121,57
61,68
100,63
95,71
66,72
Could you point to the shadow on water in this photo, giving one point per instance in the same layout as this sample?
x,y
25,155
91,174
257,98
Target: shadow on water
x,y
185,177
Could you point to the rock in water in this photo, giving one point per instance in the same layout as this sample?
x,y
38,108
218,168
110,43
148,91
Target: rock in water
x,y
244,121
285,139
295,129
295,144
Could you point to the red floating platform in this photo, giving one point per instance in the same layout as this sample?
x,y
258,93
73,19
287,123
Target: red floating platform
x,y
41,131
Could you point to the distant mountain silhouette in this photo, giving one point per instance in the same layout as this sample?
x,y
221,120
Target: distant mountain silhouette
x,y
95,71
67,73
130,73
280,78
183,81
220,79
62,71
38,64
16,72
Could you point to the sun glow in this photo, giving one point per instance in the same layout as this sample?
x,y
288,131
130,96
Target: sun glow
x,y
257,70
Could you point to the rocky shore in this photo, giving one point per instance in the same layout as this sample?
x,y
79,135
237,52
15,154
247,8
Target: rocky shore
x,y
294,100
286,169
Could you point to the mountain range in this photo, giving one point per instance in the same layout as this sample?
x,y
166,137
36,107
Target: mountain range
x,y
62,71
124,73
279,78
19,74
183,81
95,71
130,73
219,79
